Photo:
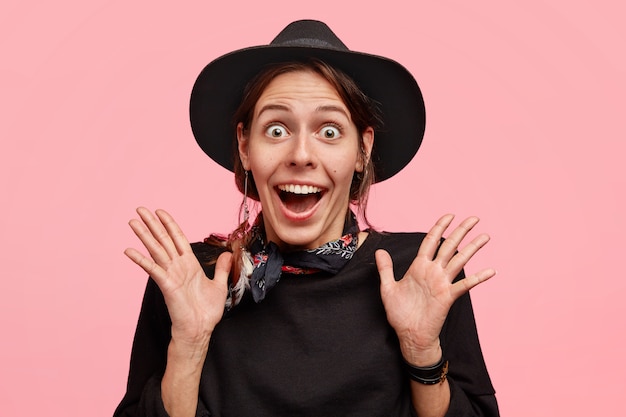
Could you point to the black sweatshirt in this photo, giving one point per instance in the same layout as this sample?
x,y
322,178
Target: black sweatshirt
x,y
318,345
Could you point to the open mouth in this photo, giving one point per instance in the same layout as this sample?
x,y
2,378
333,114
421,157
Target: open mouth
x,y
299,198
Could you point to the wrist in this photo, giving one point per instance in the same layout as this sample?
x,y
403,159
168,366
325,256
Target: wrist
x,y
424,364
191,337
187,352
418,355
428,375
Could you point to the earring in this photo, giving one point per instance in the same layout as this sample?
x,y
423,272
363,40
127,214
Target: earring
x,y
246,212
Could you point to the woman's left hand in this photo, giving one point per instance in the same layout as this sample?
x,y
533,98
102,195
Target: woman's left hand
x,y
417,305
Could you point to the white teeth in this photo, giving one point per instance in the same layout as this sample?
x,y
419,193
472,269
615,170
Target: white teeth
x,y
299,189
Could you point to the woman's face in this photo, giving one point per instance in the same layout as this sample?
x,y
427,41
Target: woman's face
x,y
302,149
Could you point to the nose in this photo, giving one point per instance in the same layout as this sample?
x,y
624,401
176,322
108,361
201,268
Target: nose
x,y
303,152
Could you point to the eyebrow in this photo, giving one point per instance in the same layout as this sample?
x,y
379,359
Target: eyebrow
x,y
331,108
272,107
326,108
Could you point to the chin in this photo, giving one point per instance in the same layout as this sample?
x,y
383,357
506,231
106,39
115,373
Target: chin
x,y
297,238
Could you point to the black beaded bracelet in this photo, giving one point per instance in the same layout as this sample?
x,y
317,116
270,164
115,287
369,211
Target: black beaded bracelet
x,y
428,375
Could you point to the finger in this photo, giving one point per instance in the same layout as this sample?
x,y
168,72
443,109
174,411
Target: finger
x,y
431,241
385,268
158,230
147,264
450,246
464,285
461,258
222,268
155,249
175,233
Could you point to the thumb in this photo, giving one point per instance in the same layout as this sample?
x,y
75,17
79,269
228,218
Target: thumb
x,y
222,268
385,267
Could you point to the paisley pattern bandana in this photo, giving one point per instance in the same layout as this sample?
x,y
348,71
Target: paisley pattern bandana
x,y
269,263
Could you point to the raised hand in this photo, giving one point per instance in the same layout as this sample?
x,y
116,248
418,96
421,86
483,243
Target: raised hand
x,y
195,303
417,305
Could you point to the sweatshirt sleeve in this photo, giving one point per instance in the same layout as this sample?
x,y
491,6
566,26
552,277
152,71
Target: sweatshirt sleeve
x,y
148,358
472,393
149,352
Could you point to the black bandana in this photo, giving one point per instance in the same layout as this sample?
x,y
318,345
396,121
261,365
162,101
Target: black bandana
x,y
269,263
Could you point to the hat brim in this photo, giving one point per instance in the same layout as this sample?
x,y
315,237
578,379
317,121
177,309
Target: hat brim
x,y
218,92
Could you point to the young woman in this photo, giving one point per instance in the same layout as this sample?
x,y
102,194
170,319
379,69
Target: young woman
x,y
301,313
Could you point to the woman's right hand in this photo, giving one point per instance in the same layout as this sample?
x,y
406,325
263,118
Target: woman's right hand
x,y
195,303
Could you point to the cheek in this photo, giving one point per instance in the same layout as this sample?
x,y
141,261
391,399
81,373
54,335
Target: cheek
x,y
343,175
261,169
262,164
344,165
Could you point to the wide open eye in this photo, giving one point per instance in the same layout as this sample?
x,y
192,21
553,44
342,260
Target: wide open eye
x,y
276,131
330,132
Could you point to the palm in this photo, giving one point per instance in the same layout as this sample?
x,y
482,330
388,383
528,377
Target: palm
x,y
417,305
195,303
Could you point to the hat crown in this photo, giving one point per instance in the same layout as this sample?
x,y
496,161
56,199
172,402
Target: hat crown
x,y
308,33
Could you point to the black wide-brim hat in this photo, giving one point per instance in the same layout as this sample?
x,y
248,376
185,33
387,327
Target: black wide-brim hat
x,y
219,88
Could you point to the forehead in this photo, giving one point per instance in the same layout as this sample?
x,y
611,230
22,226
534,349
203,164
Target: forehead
x,y
302,86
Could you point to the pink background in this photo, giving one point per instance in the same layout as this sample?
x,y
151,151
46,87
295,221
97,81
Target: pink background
x,y
526,129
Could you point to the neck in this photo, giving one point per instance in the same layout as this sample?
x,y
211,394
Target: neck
x,y
350,226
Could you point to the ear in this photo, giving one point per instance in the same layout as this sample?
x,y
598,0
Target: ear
x,y
366,154
242,146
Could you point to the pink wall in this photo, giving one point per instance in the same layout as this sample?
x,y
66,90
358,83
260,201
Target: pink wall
x,y
525,129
